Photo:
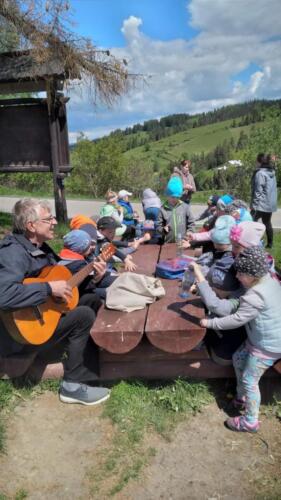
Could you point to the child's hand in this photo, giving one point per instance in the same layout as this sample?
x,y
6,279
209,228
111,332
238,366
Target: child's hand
x,y
185,244
166,228
193,289
129,264
189,236
204,322
195,267
197,271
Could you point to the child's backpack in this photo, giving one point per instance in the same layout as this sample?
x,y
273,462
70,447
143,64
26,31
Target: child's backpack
x,y
173,269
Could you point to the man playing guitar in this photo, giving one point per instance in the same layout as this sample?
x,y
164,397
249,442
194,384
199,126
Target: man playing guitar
x,y
24,254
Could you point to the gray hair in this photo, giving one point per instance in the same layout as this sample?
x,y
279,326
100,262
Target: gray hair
x,y
27,210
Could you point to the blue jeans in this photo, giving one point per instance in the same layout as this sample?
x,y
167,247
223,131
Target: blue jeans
x,y
249,369
151,213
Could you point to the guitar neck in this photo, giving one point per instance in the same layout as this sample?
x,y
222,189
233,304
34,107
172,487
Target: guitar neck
x,y
78,277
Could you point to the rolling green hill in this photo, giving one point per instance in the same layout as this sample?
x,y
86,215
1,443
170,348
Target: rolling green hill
x,y
185,144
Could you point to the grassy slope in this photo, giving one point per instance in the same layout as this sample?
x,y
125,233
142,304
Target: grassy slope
x,y
194,140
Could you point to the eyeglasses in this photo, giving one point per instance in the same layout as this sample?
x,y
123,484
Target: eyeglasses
x,y
48,220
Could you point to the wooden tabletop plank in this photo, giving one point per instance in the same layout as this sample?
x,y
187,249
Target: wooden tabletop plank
x,y
168,251
118,332
146,258
173,323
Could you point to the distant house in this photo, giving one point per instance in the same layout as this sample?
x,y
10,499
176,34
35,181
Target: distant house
x,y
234,163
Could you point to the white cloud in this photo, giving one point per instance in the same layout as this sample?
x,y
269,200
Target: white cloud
x,y
199,74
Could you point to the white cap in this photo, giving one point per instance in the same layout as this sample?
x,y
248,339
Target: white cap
x,y
124,193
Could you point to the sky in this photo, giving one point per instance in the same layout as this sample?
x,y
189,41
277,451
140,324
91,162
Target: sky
x,y
196,55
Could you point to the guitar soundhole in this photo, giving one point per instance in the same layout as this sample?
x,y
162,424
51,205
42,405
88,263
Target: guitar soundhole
x,y
38,315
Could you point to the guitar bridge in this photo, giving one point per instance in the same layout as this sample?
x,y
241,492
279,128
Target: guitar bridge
x,y
38,315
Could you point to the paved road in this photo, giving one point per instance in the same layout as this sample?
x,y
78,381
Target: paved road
x,y
93,207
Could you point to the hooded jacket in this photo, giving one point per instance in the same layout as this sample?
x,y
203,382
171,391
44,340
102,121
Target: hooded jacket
x,y
264,190
179,219
150,199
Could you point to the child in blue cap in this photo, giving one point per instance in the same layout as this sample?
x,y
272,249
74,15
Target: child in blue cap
x,y
175,217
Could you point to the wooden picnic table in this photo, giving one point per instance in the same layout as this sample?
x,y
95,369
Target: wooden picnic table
x,y
161,341
164,340
170,324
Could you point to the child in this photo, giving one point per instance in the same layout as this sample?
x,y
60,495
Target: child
x,y
221,344
246,234
106,228
239,210
209,213
259,311
151,204
76,254
204,238
130,216
112,209
175,216
78,245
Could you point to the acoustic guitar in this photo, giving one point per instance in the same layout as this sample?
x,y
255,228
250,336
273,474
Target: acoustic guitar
x,y
35,325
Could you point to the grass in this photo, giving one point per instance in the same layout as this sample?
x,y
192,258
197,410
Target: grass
x,y
22,193
136,410
20,495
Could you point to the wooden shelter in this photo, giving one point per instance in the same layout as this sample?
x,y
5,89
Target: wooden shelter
x,y
33,131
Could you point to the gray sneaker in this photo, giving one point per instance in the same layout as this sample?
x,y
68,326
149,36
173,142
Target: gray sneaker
x,y
84,395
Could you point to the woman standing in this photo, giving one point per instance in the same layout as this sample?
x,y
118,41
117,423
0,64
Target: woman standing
x,y
187,180
264,193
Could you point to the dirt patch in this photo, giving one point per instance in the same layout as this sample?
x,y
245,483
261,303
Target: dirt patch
x,y
51,448
205,460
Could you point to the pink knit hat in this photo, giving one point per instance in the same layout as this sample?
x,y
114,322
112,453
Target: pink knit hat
x,y
247,234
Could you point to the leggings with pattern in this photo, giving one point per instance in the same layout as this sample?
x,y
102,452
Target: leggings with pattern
x,y
249,369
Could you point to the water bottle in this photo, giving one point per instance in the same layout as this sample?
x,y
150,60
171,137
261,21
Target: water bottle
x,y
138,230
187,280
179,247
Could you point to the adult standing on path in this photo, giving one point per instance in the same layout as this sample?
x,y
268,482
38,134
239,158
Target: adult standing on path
x,y
264,193
187,180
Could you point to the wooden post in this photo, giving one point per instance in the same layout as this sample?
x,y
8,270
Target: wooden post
x,y
59,194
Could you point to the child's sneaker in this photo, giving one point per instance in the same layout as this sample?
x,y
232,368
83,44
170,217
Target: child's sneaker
x,y
240,424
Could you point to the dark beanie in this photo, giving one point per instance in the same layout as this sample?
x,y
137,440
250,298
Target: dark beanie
x,y
252,261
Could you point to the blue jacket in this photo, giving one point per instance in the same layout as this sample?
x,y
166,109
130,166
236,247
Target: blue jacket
x,y
128,212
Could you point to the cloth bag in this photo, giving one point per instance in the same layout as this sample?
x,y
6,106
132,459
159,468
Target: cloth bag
x,y
131,291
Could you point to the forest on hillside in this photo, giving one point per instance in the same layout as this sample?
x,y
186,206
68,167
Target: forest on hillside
x,y
241,115
104,163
